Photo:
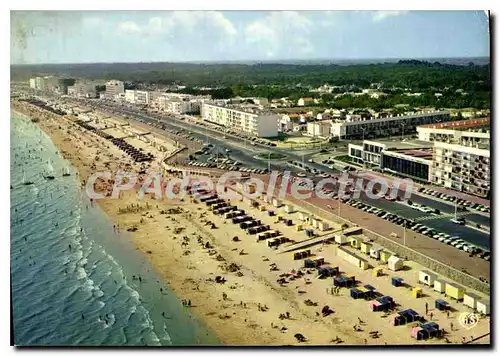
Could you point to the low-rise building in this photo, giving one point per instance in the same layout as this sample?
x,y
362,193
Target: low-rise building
x,y
465,132
251,119
305,101
356,128
411,159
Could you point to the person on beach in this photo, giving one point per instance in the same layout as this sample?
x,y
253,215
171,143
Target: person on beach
x,y
426,308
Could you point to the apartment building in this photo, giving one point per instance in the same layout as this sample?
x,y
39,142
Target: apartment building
x,y
463,168
141,97
44,83
82,90
130,96
465,132
382,127
250,119
113,88
319,128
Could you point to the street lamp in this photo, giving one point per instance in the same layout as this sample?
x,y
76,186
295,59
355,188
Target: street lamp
x,y
404,233
363,129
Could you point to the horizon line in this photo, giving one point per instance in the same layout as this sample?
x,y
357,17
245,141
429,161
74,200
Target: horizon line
x,y
256,61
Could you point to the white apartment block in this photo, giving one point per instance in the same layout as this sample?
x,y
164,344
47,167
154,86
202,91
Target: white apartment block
x,y
466,169
113,88
44,83
130,96
380,127
141,97
459,132
82,90
251,120
319,128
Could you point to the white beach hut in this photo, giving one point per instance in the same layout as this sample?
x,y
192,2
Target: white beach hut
x,y
440,285
483,307
395,263
471,300
427,278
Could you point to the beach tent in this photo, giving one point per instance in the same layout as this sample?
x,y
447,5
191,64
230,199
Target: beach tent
x,y
375,305
432,328
416,292
367,293
397,281
327,271
405,317
377,272
309,264
343,282
395,263
440,285
263,236
300,254
441,304
427,278
419,333
483,307
356,293
314,262
369,287
471,299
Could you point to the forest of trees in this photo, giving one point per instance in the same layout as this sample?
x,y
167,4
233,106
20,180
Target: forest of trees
x,y
293,80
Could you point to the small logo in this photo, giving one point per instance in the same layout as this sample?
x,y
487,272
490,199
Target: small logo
x,y
468,320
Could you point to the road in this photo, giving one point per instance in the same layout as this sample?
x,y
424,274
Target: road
x,y
444,253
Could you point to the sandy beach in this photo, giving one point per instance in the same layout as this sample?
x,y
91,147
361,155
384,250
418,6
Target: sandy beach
x,y
178,238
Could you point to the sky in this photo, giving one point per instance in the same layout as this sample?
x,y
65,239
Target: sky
x,y
182,36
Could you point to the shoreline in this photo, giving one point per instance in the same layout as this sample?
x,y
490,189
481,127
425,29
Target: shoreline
x,y
205,312
189,268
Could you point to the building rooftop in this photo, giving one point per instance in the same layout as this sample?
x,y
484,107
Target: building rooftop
x,y
247,108
459,125
424,153
397,144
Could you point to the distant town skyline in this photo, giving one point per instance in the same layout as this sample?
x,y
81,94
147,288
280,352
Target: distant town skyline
x,y
211,36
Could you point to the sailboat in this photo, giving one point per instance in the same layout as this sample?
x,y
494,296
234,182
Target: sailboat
x,y
26,182
66,172
49,176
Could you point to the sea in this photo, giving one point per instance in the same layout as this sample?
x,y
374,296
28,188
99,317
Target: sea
x,y
74,280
